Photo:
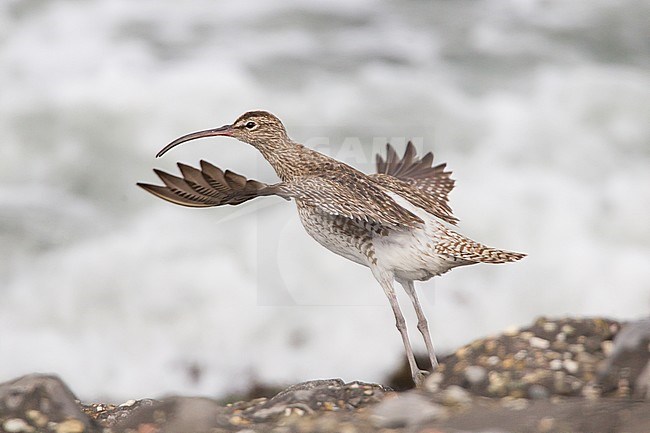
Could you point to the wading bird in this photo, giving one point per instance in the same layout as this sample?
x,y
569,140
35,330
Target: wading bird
x,y
397,222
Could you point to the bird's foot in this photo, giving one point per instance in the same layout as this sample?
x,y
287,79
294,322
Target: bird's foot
x,y
419,377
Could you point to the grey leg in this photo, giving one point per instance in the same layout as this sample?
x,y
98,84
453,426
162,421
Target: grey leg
x,y
423,326
386,281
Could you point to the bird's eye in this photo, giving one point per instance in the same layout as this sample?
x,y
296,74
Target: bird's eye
x,y
250,125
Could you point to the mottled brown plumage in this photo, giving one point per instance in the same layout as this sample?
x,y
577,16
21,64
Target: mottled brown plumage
x,y
394,221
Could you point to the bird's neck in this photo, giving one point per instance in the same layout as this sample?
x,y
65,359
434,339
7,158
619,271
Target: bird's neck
x,y
290,159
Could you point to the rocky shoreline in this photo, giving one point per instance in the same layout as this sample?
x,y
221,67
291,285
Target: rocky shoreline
x,y
569,375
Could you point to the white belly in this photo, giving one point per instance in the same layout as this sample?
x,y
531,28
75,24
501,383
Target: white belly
x,y
408,254
411,254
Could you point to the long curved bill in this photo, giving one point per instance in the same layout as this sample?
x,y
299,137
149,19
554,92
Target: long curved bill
x,y
224,130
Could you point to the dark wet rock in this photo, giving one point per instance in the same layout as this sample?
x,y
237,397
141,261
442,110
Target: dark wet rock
x,y
317,395
38,402
110,414
176,414
627,369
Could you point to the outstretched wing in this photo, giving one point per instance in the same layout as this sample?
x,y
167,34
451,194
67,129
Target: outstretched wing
x,y
208,187
417,171
417,180
348,194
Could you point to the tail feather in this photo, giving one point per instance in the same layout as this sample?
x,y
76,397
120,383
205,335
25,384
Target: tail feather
x,y
461,248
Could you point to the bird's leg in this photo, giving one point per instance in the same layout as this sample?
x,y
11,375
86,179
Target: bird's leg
x,y
386,281
423,326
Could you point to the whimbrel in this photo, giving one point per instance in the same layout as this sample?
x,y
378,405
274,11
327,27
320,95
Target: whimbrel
x,y
397,222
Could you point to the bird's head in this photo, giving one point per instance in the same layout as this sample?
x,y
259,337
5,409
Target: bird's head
x,y
258,128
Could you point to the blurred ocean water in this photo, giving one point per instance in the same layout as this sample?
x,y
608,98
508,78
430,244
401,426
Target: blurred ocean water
x,y
541,109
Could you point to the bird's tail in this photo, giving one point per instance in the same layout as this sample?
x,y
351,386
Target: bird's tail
x,y
462,248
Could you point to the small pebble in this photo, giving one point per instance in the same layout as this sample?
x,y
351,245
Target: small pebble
x,y
497,383
571,366
591,391
456,395
568,329
538,392
576,384
586,358
560,384
294,411
577,348
522,354
475,374
354,401
552,355
70,426
128,403
462,352
534,376
237,420
607,346
539,343
515,403
432,383
550,326
555,364
37,417
16,425
489,346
